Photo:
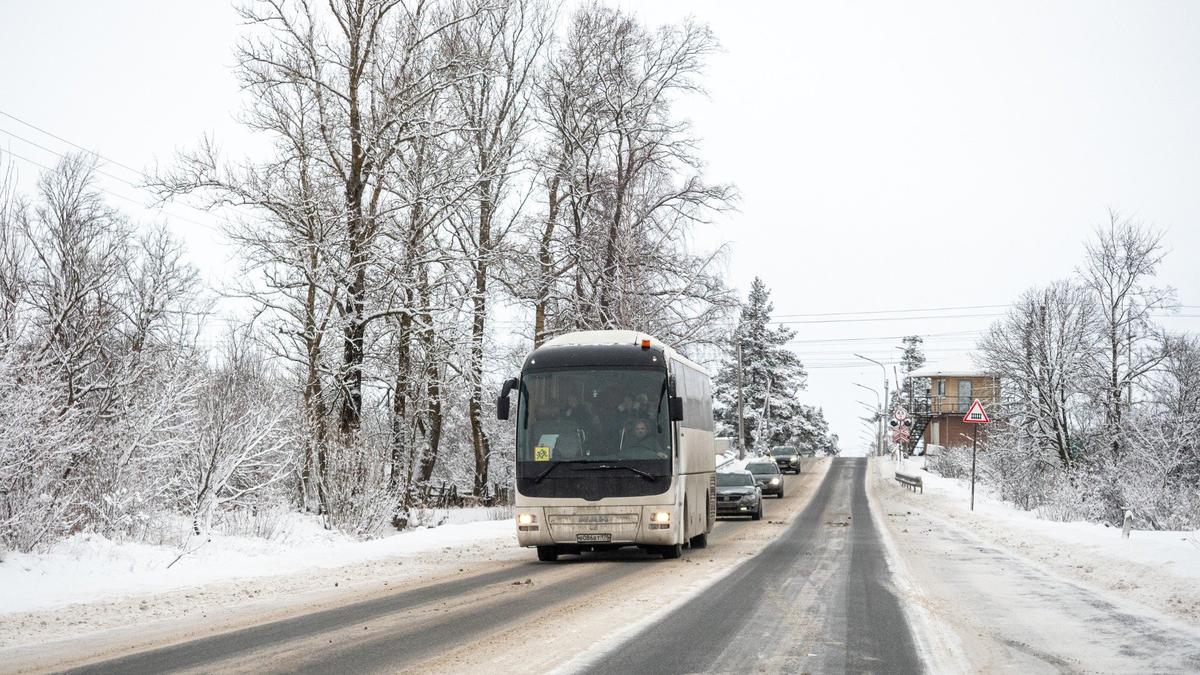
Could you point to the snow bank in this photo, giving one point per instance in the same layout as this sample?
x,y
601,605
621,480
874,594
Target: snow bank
x,y
1175,551
85,567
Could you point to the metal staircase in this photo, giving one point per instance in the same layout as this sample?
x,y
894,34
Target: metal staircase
x,y
920,421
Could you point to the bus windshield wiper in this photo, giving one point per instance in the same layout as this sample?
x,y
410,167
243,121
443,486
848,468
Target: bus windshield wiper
x,y
614,467
555,465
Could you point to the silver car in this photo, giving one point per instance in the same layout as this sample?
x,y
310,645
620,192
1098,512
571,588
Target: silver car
x,y
738,495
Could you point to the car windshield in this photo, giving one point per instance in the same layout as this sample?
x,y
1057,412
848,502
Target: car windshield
x,y
783,452
762,468
734,480
594,414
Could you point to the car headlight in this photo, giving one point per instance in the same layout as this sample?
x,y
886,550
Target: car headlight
x,y
774,481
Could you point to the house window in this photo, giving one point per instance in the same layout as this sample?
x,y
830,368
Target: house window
x,y
941,387
964,393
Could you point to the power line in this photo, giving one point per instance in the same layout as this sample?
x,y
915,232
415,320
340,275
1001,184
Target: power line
x,y
894,318
885,337
97,170
74,145
111,193
893,311
62,155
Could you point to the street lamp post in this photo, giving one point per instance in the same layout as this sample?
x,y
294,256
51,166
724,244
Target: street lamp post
x,y
885,387
879,413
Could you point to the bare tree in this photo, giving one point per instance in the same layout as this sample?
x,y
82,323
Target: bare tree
x,y
14,257
1044,347
500,47
1121,260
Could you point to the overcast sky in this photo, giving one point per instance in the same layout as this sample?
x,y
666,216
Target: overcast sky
x,y
890,156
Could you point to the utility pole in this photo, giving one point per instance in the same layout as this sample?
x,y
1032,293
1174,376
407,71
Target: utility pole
x,y
765,432
741,444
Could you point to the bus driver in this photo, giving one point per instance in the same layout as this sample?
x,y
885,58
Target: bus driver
x,y
641,445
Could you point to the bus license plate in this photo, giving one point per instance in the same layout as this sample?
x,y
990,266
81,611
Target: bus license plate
x,y
593,538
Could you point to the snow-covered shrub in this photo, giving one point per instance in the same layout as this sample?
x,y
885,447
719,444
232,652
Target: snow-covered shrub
x,y
239,452
504,512
40,446
270,522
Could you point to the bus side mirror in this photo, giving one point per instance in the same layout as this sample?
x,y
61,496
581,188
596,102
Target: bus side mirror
x,y
502,403
675,405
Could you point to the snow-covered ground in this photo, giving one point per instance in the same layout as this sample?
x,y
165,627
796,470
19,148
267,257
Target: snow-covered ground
x,y
1000,590
1172,553
87,568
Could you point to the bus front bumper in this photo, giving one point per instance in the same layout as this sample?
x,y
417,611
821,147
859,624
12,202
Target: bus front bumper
x,y
597,526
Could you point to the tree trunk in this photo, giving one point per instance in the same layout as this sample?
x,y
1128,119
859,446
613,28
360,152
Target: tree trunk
x,y
479,440
546,264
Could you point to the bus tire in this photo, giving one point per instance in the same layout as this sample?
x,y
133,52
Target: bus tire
x,y
699,541
547,553
672,552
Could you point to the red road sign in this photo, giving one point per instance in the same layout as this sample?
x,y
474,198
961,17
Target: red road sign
x,y
975,414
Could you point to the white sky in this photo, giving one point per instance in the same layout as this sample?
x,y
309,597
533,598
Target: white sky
x,y
889,155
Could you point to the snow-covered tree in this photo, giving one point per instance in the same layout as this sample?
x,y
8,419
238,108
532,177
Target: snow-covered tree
x,y
771,378
912,359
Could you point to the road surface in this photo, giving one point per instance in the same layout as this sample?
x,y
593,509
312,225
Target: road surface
x,y
812,594
816,600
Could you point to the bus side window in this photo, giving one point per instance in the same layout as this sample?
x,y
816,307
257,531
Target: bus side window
x,y
679,374
696,400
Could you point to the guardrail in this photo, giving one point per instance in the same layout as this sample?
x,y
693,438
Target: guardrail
x,y
910,481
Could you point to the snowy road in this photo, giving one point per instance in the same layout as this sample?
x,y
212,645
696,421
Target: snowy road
x,y
849,573
819,599
805,590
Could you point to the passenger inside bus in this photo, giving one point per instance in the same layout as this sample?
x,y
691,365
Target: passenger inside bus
x,y
595,415
641,444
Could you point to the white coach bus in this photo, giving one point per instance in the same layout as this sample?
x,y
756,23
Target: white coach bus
x,y
614,446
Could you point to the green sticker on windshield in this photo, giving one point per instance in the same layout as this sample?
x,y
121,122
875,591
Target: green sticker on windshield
x,y
541,454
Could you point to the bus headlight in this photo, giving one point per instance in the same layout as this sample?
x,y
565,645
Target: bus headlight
x,y
527,522
774,481
661,517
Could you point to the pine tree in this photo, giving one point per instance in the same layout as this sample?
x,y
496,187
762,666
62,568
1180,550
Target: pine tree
x,y
767,366
810,431
912,359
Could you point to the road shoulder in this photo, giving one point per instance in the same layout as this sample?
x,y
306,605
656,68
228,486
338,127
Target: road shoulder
x,y
1011,611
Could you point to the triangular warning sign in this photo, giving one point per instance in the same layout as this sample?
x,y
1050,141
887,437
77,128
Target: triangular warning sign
x,y
975,414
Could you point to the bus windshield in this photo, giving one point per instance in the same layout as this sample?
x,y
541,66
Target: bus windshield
x,y
594,415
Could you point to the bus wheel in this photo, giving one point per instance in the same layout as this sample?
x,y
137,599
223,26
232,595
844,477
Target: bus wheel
x,y
547,553
699,541
672,552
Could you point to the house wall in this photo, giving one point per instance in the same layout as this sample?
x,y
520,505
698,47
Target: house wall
x,y
948,410
951,432
984,388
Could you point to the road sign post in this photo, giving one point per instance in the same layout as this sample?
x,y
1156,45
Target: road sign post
x,y
900,424
976,415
